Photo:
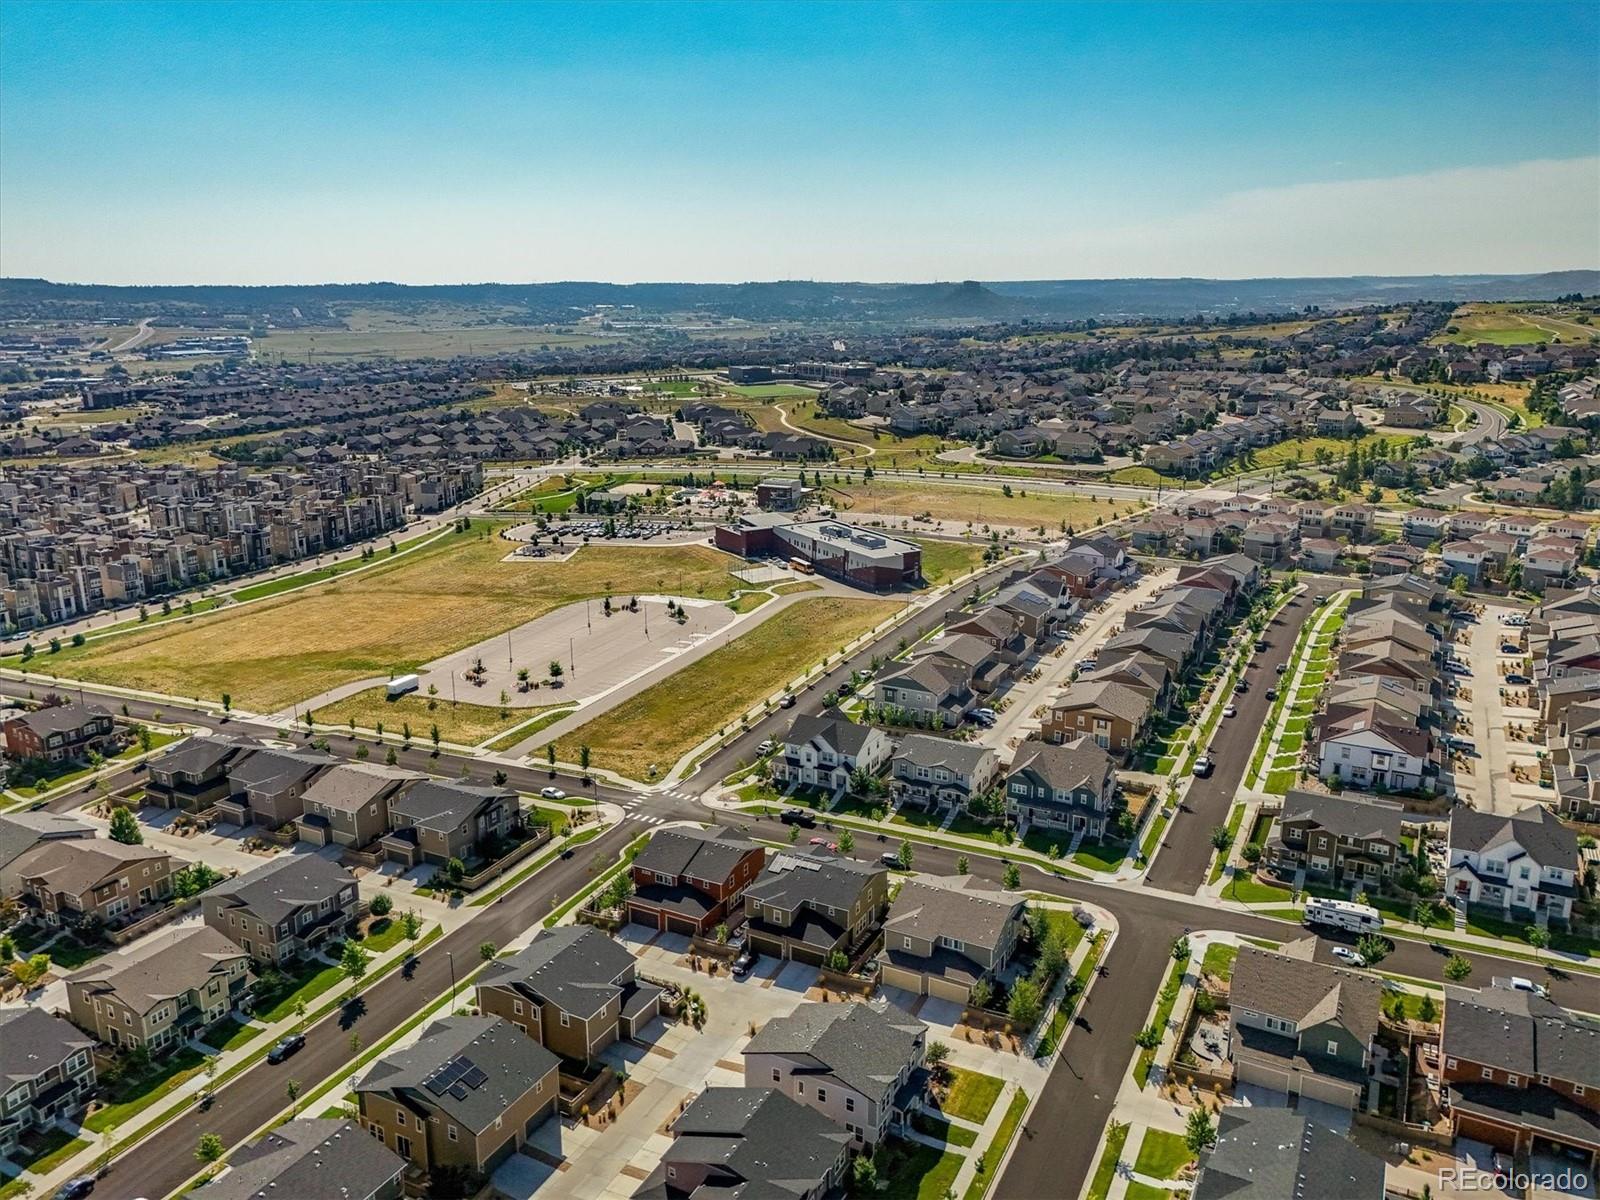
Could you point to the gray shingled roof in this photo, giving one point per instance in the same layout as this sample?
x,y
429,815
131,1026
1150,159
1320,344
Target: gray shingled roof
x,y
21,831
775,1145
1347,816
792,880
931,907
925,750
837,731
290,882
511,1063
1118,699
1306,992
1275,1154
1521,1032
1076,764
271,770
348,786
33,1042
1535,829
197,755
864,1045
160,966
574,967
708,854
62,718
443,804
309,1159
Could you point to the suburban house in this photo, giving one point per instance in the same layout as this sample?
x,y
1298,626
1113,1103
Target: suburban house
x,y
1301,1027
1114,715
1349,840
1364,745
284,910
822,751
161,990
932,689
46,1073
93,880
940,772
268,787
1265,1153
1520,1072
22,832
689,880
435,820
312,1159
572,990
59,733
749,1142
194,774
1068,787
466,1095
348,805
943,934
806,906
1524,865
859,1065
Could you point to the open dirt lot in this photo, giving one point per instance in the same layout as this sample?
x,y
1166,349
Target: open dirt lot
x,y
451,595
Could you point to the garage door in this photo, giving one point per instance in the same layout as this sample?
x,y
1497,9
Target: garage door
x,y
681,925
647,917
805,954
1262,1076
1329,1091
948,989
899,977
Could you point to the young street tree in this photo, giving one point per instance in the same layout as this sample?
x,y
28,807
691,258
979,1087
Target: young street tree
x,y
125,827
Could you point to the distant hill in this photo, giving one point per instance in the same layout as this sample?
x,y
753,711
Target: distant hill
x,y
793,300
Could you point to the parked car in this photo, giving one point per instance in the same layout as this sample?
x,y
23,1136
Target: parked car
x,y
1345,954
1203,766
1261,643
76,1188
742,964
1281,668
1231,710
767,747
986,714
552,793
889,858
786,702
1508,648
286,1047
798,816
1272,693
1517,680
1242,686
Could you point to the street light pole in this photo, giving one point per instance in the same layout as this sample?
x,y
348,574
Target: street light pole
x,y
449,954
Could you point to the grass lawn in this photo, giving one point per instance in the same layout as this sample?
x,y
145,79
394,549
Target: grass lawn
x,y
1162,1155
996,1150
465,724
1168,998
659,725
749,602
1106,1171
132,1095
1279,782
956,1135
43,1152
547,718
68,953
972,1094
1219,960
443,597
948,560
1143,1191
383,934
772,391
1221,861
923,819
1247,889
912,1171
230,1033
305,982
1100,856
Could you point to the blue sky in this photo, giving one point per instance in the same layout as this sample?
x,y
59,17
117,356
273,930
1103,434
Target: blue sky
x,y
438,143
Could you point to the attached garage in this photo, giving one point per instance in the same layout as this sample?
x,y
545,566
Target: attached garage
x,y
651,918
1330,1091
908,981
947,989
1251,1070
683,925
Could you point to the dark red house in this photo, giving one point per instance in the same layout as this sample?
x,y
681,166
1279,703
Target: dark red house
x,y
59,733
685,880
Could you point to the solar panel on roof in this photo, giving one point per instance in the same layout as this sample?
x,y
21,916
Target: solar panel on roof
x,y
475,1078
459,1091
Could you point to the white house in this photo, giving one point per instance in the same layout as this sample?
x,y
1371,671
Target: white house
x,y
1524,865
1359,748
822,751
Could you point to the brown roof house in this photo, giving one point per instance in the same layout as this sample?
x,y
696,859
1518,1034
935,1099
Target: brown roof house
x,y
268,787
94,881
194,774
805,907
348,805
688,880
59,733
943,934
161,990
1113,715
572,989
435,820
284,910
466,1095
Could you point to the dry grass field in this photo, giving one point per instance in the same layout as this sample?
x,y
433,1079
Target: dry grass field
x,y
663,723
450,595
978,505
466,724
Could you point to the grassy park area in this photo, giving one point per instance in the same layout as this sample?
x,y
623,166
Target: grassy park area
x,y
444,597
465,724
978,505
659,725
